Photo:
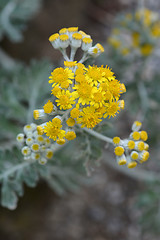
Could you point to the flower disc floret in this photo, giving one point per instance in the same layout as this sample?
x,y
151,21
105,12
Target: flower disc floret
x,y
116,140
119,151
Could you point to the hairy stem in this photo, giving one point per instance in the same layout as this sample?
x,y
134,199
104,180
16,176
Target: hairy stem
x,y
98,135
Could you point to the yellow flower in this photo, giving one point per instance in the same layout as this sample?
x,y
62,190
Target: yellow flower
x,y
112,109
119,151
89,117
135,39
83,91
70,63
80,78
56,90
107,74
125,51
100,111
53,129
116,140
70,135
146,49
65,100
108,96
93,75
48,107
60,141
74,113
114,42
98,98
155,30
70,122
62,77
80,69
114,88
144,15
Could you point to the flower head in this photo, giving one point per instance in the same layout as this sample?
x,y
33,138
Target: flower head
x,y
61,77
65,100
89,117
53,129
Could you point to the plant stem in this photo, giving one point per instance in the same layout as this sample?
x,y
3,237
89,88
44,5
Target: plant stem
x,y
14,169
98,135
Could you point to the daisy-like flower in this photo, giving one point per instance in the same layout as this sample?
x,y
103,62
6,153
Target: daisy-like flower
x,y
107,73
114,88
56,90
61,77
93,75
53,129
70,135
70,122
75,113
65,100
89,117
83,92
98,98
112,109
48,107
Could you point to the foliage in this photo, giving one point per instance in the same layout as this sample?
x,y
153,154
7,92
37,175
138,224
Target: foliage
x,y
13,17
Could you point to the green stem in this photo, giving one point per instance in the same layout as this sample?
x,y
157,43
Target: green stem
x,y
14,169
98,135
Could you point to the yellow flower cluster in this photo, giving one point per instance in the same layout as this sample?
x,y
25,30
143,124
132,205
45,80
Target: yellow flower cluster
x,y
83,95
134,149
91,93
138,32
